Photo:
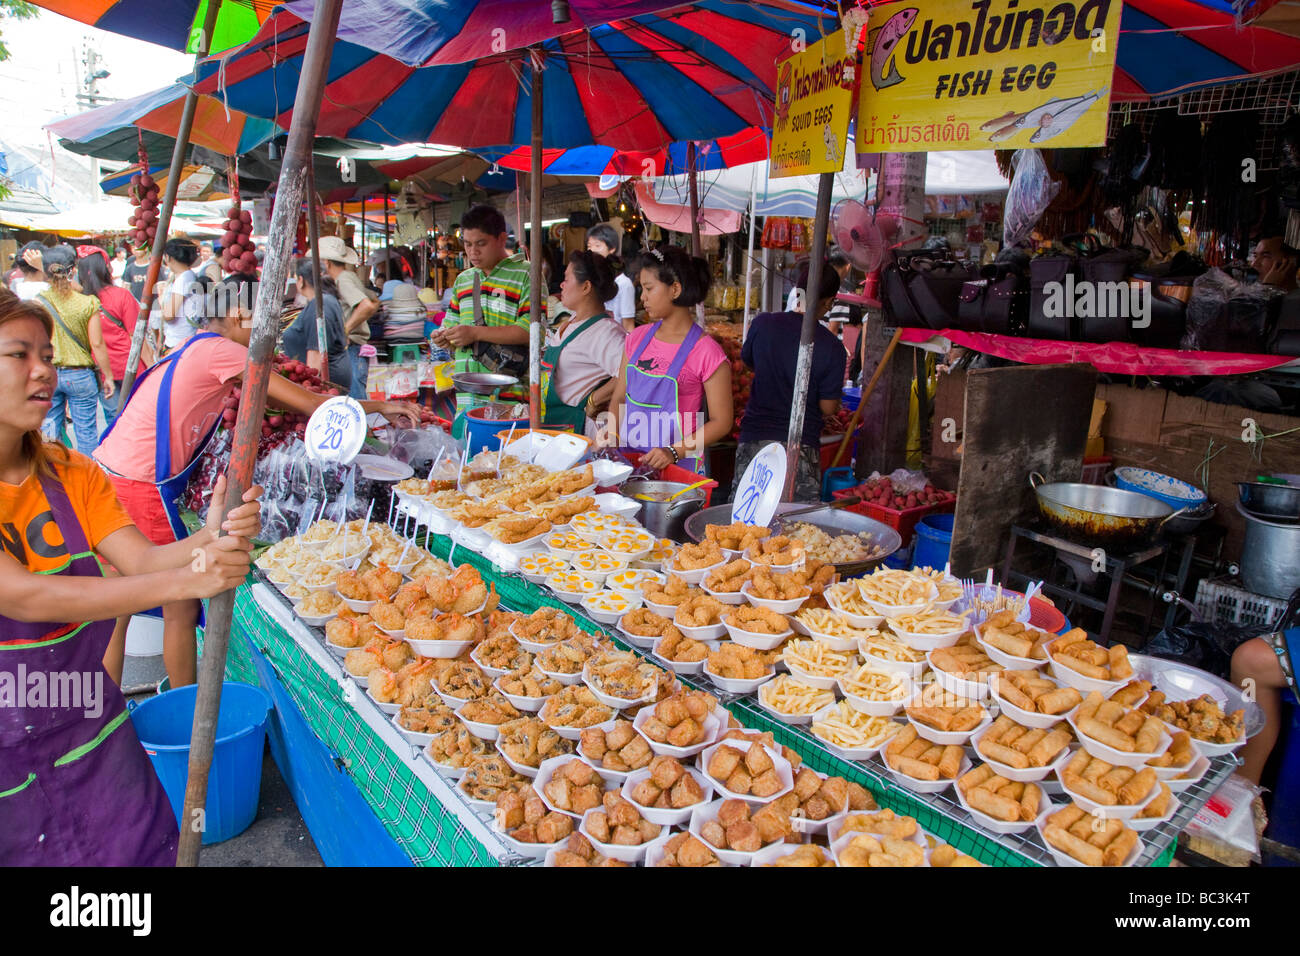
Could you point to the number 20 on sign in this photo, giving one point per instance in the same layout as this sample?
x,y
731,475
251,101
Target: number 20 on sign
x,y
336,430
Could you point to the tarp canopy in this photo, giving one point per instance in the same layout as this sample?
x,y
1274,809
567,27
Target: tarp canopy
x,y
108,216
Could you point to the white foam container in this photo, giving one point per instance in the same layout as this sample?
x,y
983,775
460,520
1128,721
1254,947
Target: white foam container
x,y
925,786
712,727
360,607
397,635
609,617
792,720
389,709
782,766
452,701
993,824
318,621
812,680
415,737
520,768
961,686
443,650
1010,661
1143,824
834,643
681,668
737,685
1108,811
546,770
618,703
663,610
339,652
1195,773
759,642
636,591
670,817
708,632
948,737
1109,754
529,851
860,621
729,598
702,814
780,607
568,733
773,852
525,705
878,708
1027,775
1026,718
566,680
1169,773
847,753
1069,677
695,576
480,729
493,672
627,854
913,669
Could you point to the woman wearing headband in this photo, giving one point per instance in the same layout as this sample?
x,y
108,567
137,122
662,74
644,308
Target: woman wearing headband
x,y
672,371
111,329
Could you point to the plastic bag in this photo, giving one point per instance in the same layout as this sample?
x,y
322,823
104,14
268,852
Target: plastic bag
x,y
1224,829
905,482
1032,191
1224,315
1207,646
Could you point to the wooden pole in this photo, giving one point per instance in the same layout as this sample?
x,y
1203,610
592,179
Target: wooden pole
x,y
537,290
388,249
165,214
252,404
866,393
313,236
696,248
747,272
803,364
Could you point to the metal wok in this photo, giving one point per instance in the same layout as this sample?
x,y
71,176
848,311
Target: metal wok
x,y
1101,516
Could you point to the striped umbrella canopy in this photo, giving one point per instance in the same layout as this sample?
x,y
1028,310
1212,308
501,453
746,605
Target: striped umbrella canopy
x,y
747,146
693,73
1173,46
175,24
112,131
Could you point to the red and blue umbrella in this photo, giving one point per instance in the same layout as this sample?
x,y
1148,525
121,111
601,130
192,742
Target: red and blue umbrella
x,y
1173,46
692,73
171,23
747,146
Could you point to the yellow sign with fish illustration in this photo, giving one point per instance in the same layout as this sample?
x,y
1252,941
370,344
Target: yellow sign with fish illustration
x,y
813,101
985,74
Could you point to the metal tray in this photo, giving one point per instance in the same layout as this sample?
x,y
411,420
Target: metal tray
x,y
832,521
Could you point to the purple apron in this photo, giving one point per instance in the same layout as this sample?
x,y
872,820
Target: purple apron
x,y
75,790
653,409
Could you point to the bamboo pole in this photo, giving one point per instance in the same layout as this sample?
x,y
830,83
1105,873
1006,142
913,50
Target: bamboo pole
x,y
165,214
252,405
803,364
313,236
537,290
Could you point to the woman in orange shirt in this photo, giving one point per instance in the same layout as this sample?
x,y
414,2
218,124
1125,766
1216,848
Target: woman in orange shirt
x,y
76,787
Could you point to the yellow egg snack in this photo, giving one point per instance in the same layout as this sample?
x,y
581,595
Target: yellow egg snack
x,y
633,579
567,541
627,541
598,561
664,548
542,564
610,601
570,582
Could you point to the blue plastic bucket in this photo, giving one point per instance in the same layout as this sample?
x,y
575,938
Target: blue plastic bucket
x,y
163,724
837,479
481,433
850,398
933,541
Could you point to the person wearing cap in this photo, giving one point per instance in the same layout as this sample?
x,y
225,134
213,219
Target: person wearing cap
x,y
339,261
77,390
31,279
494,336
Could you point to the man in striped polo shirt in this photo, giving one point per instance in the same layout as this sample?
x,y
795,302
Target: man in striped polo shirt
x,y
500,342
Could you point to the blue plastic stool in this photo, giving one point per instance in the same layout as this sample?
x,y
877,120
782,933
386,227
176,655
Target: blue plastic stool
x,y
836,479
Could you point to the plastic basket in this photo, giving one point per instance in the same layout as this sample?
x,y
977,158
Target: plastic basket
x,y
1219,602
904,522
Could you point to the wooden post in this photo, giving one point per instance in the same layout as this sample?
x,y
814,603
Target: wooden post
x,y
313,236
749,254
537,291
388,249
696,248
165,214
803,365
252,404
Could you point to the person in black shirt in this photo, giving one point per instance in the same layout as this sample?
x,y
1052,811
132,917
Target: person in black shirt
x,y
771,350
136,271
300,337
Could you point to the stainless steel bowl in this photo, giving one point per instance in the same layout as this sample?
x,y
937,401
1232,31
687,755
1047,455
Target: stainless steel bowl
x,y
482,383
1270,502
664,519
833,522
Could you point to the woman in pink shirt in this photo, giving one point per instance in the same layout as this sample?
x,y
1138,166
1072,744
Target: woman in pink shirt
x,y
672,370
152,448
113,327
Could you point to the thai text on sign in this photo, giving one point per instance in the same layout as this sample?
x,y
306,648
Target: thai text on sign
x,y
813,101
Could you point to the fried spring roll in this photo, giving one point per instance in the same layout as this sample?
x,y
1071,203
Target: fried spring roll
x,y
1046,750
1004,754
1148,737
975,777
1089,706
914,768
1067,842
1104,831
1120,668
950,762
1030,801
1058,701
1120,847
1109,736
1089,790
1082,667
995,805
1138,786
1008,643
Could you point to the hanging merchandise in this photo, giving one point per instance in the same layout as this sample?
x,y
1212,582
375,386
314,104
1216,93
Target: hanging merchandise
x,y
1229,205
143,192
776,233
798,237
237,253
1032,190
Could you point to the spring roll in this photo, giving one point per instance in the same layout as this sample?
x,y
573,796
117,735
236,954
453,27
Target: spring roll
x,y
1082,667
975,777
1148,737
998,728
1104,831
1067,816
1046,750
1120,668
901,740
1131,693
968,718
1078,763
1004,754
1066,842
937,717
1095,770
1058,701
995,805
1011,736
1027,741
1030,802
1159,806
914,768
950,762
1120,847
1075,635
1013,695
1130,723
915,749
1008,643
1109,712
1138,786
1115,778
1082,828
1015,790
1109,736
1088,789
1089,706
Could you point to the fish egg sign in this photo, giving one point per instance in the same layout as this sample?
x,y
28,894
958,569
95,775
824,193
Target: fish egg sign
x,y
336,430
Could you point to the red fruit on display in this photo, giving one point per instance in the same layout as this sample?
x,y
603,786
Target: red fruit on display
x,y
235,249
146,181
137,179
246,216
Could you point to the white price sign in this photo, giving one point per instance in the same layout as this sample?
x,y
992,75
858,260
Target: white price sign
x,y
336,431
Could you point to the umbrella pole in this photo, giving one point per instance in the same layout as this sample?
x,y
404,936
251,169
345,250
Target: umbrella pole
x,y
695,216
388,249
803,366
284,220
165,214
749,254
537,292
313,235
